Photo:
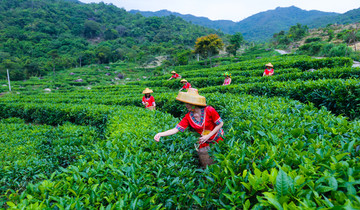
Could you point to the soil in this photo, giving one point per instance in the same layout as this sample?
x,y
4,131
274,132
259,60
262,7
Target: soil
x,y
282,52
156,62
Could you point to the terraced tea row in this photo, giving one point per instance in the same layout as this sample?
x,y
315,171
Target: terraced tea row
x,y
277,152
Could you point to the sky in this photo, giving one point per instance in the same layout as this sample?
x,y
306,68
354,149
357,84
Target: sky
x,y
234,10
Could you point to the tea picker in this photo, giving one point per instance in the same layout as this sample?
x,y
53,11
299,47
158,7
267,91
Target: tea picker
x,y
269,71
204,119
186,85
174,75
148,100
227,80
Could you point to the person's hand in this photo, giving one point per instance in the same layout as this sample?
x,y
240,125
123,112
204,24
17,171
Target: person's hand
x,y
204,139
157,137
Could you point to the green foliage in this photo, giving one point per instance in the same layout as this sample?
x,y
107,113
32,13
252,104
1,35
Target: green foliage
x,y
338,96
208,46
32,152
313,39
38,37
295,33
235,42
277,152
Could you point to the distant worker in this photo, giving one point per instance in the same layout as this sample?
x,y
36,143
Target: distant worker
x,y
186,85
175,76
148,100
204,119
227,80
269,71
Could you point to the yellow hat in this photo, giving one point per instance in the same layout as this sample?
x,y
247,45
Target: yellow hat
x,y
183,80
191,97
173,72
147,90
269,65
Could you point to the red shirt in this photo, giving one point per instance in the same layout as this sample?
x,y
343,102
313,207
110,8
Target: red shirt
x,y
186,86
150,101
269,71
175,76
212,119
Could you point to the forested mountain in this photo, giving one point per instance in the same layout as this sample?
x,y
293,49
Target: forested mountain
x,y
226,26
38,36
352,16
258,27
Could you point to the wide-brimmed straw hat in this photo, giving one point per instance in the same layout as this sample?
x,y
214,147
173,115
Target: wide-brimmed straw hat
x,y
147,90
183,80
269,65
191,97
173,72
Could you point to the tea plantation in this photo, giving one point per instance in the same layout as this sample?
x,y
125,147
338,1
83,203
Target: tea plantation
x,y
291,141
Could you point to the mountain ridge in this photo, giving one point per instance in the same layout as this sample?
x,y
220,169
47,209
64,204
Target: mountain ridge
x,y
255,27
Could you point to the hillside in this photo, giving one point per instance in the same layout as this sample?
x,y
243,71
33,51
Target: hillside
x,y
334,40
352,16
291,140
38,37
258,27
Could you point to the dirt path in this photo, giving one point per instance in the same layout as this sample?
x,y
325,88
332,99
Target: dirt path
x,y
282,52
356,64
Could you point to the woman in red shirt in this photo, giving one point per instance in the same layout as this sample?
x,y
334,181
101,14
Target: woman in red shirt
x,y
186,85
175,76
269,71
148,100
205,120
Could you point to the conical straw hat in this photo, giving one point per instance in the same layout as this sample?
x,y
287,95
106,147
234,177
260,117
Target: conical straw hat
x,y
173,72
269,65
147,90
191,97
183,80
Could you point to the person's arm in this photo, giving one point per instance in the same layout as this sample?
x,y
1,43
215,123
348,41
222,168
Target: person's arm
x,y
154,103
170,78
203,139
229,81
165,133
143,102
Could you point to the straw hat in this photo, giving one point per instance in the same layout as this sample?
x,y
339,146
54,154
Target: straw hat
x,y
183,80
147,90
173,72
269,65
191,97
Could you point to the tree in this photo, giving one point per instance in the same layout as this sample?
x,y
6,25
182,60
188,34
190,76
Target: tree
x,y
91,29
235,42
298,31
111,34
54,55
208,45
